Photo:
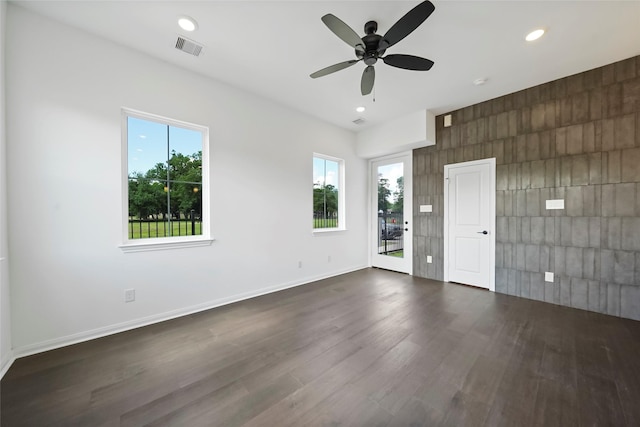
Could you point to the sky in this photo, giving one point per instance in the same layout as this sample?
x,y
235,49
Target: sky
x,y
392,173
325,168
147,142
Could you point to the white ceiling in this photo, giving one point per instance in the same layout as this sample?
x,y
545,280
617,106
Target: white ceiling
x,y
270,47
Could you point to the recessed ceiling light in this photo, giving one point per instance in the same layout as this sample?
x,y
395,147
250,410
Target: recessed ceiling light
x,y
534,35
360,109
479,82
187,23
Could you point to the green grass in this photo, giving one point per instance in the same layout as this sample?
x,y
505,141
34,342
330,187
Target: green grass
x,y
325,223
399,254
144,230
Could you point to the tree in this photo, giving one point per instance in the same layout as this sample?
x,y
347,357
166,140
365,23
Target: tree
x,y
145,196
179,177
398,206
186,174
157,193
384,193
325,199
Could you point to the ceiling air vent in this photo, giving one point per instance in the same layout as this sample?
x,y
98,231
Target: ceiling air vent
x,y
359,121
189,46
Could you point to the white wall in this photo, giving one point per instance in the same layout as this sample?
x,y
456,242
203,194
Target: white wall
x,y
5,313
406,133
65,89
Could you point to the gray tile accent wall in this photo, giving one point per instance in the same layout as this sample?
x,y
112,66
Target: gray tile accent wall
x,y
576,139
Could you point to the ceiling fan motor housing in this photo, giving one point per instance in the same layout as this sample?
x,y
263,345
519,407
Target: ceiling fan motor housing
x,y
370,27
371,42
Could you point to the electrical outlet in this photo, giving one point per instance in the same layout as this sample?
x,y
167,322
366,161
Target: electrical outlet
x,y
299,264
548,276
129,295
429,259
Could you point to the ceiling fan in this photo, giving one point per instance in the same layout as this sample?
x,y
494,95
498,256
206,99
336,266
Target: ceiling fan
x,y
372,46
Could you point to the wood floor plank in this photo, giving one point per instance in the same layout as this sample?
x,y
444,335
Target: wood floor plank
x,y
400,391
414,413
210,410
349,407
516,393
381,377
627,370
556,404
366,348
180,399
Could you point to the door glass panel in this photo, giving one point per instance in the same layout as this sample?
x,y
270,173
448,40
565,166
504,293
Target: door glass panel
x,y
391,210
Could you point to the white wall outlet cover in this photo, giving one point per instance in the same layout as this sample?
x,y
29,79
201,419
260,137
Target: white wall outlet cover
x,y
447,120
555,204
429,259
548,277
426,208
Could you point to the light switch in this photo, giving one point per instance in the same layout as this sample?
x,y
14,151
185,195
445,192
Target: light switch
x,y
555,204
426,208
429,259
548,276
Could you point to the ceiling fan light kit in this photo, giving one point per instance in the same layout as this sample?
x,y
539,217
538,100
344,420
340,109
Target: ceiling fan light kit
x,y
372,46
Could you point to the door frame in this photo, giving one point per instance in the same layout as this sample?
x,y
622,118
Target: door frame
x,y
492,214
407,157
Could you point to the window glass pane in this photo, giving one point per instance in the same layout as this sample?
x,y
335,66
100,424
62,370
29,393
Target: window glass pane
x,y
390,210
326,188
185,172
147,143
165,180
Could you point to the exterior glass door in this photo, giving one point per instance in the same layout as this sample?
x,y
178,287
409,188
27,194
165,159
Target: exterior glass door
x,y
392,237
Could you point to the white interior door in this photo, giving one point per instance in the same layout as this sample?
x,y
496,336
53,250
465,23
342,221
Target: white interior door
x,y
469,222
391,213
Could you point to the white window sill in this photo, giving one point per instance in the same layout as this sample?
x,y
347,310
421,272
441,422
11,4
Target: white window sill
x,y
163,244
326,231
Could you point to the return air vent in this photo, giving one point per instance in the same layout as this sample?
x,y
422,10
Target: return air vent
x,y
359,121
188,46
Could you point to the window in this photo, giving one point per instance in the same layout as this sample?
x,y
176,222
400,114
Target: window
x,y
166,182
328,193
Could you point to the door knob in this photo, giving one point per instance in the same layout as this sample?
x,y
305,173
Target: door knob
x,y
483,232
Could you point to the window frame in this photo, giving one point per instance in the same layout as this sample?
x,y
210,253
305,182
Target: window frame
x,y
342,225
161,243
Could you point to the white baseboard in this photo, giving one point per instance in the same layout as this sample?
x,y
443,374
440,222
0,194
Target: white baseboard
x,y
6,363
52,344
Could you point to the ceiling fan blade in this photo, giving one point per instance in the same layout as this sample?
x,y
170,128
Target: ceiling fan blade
x,y
333,68
406,24
343,31
408,62
368,78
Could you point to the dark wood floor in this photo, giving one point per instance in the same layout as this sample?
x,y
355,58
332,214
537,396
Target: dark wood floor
x,y
370,348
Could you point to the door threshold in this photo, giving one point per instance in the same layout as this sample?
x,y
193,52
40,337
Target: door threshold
x,y
386,269
469,286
